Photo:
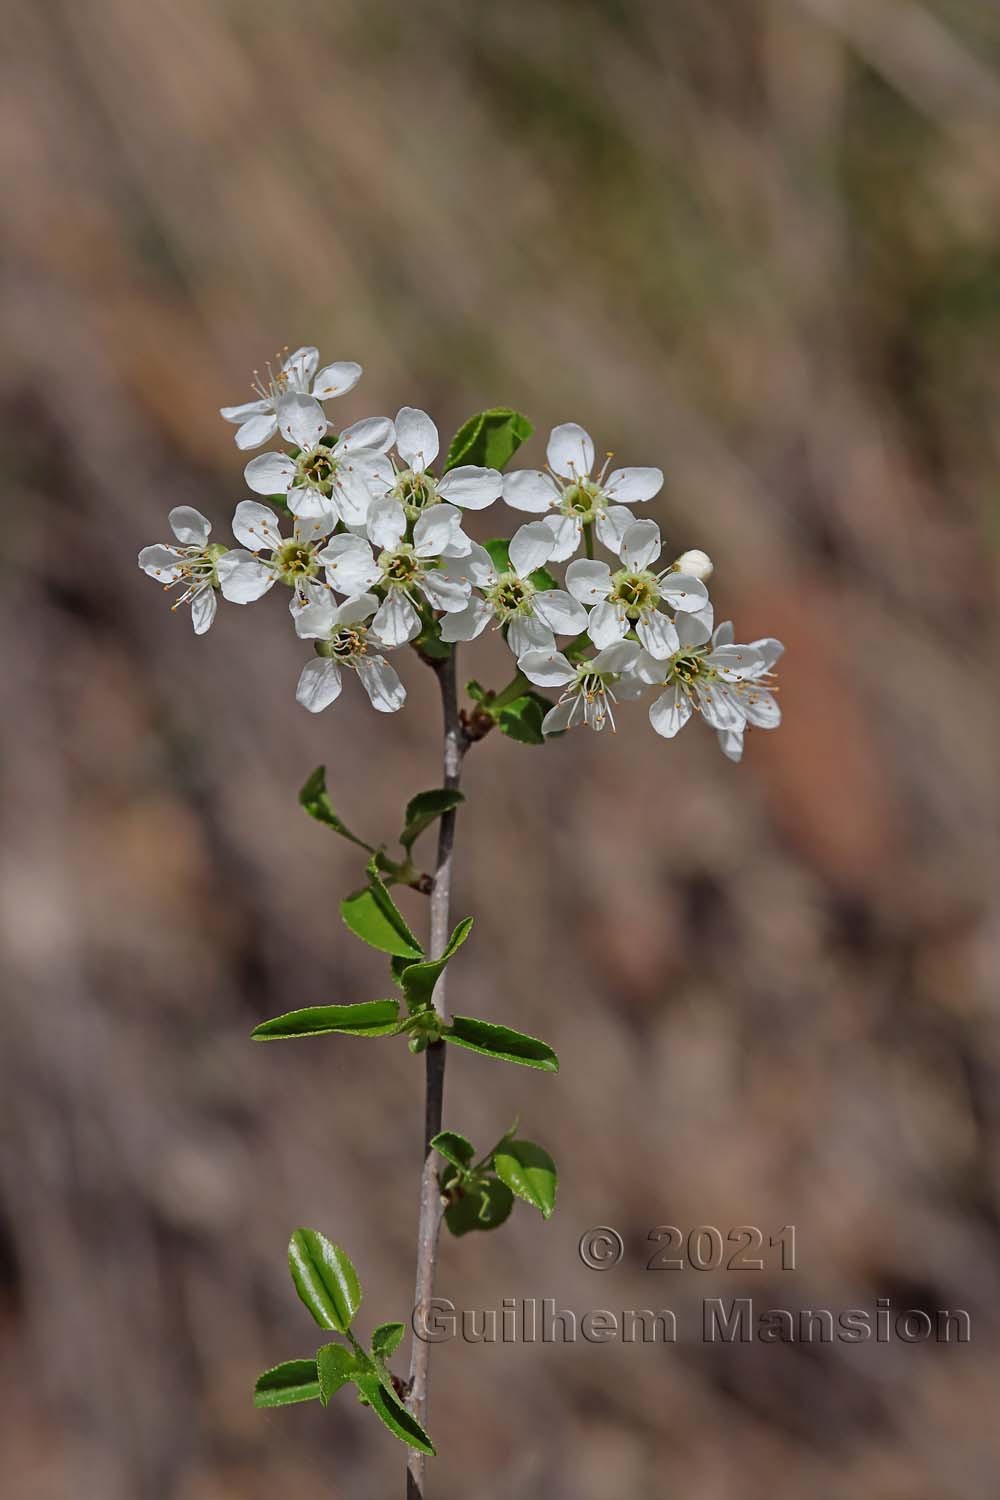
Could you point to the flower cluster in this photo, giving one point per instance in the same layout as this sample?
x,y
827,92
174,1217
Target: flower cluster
x,y
375,556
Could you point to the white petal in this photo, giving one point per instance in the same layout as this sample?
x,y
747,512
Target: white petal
x,y
203,607
524,635
270,474
568,534
319,684
438,528
306,591
256,431
336,380
648,670
560,611
302,421
629,486
731,744
557,719
474,567
761,707
657,633
470,487
467,623
356,488
630,685
733,663
355,609
301,363
243,578
316,621
724,634
617,658
256,526
607,624
396,621
768,649
611,526
376,433
718,706
241,414
189,526
588,580
547,668
350,564
381,683
692,629
641,545
308,529
160,562
531,546
443,592
417,440
570,451
529,489
670,712
684,593
308,503
386,523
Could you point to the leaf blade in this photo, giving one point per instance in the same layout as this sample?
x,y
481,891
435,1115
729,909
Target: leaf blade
x,y
367,1018
324,1278
423,809
316,801
529,1172
373,916
501,1042
335,1366
386,1339
489,439
390,1411
285,1384
418,980
454,1148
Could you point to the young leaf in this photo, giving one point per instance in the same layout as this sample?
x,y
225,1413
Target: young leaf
x,y
386,1339
369,1018
522,719
418,980
335,1366
316,801
486,1206
324,1278
501,1042
454,1148
373,916
490,439
499,549
529,1172
423,809
295,1380
393,1413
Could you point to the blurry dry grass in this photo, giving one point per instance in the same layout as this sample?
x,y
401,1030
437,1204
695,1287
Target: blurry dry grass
x,y
756,243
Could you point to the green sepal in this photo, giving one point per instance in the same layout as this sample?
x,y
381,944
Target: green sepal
x,y
368,1018
418,980
529,1172
284,1385
335,1366
486,1204
422,810
490,439
522,719
374,917
390,1410
476,691
324,1278
501,1042
386,1340
454,1148
316,801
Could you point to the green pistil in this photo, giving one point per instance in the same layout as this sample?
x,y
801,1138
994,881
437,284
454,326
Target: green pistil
x,y
295,561
634,592
686,669
415,492
583,500
399,568
317,469
345,645
510,596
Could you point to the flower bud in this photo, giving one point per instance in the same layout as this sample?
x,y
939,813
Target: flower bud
x,y
696,564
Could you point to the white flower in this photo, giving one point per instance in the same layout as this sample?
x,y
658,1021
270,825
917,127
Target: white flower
x,y
533,616
244,575
632,597
758,700
575,498
589,687
715,677
344,640
417,444
257,421
403,570
194,564
339,477
696,563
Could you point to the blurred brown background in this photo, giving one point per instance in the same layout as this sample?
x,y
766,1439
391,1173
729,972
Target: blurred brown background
x,y
756,243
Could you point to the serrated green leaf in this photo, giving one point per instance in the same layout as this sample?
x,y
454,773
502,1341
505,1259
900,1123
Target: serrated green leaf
x,y
486,1206
522,719
500,1042
386,1339
324,1278
529,1172
454,1148
374,917
418,980
422,810
295,1380
390,1410
368,1018
335,1366
316,801
490,439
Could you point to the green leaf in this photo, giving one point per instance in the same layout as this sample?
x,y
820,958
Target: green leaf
x,y
324,1278
490,438
393,1413
454,1148
429,642
335,1366
386,1339
499,549
522,719
485,1206
501,1042
315,799
368,1018
418,980
295,1380
529,1172
422,810
374,917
